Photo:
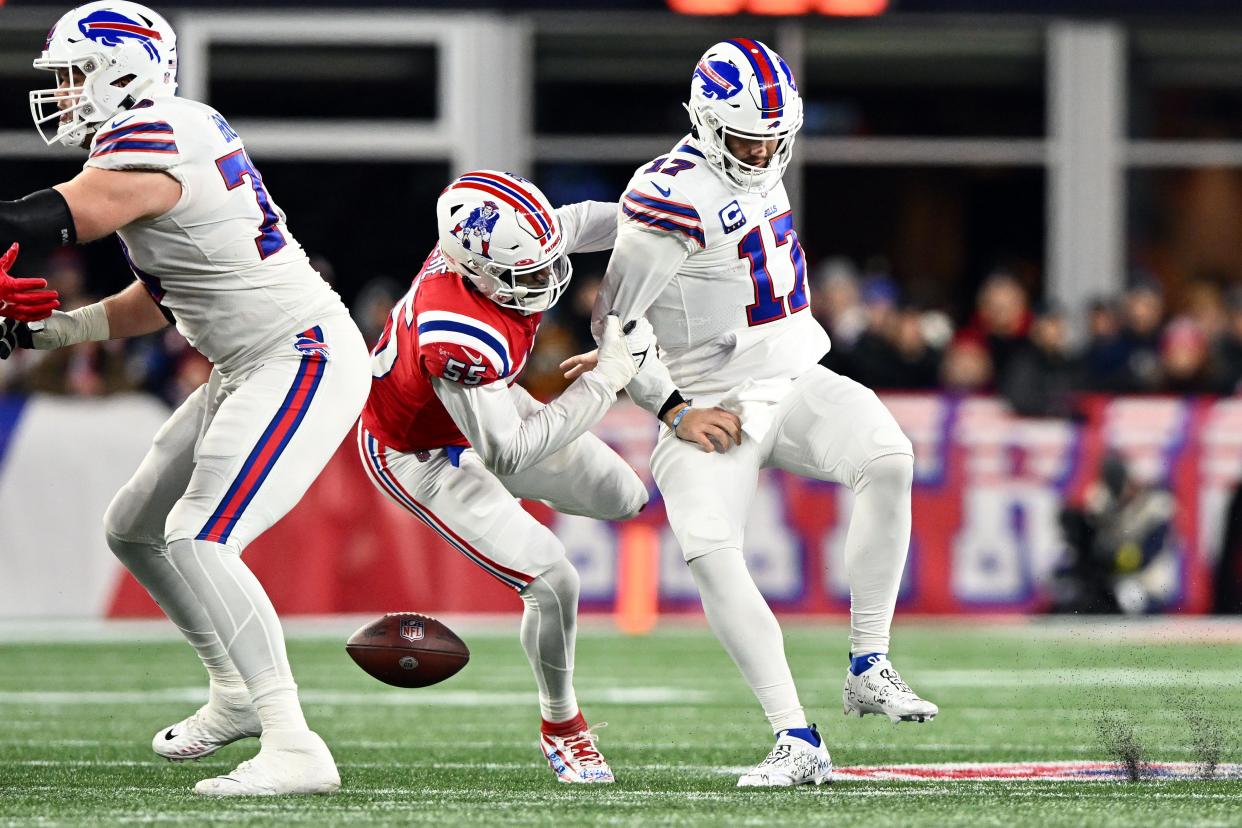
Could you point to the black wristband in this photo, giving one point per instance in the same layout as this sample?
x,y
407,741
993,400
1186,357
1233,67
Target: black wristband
x,y
674,399
40,222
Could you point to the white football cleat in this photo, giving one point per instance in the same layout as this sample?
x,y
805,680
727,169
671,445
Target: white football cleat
x,y
290,762
880,690
793,761
208,730
576,758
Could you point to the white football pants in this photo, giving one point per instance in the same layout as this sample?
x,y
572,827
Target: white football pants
x,y
232,460
827,427
478,514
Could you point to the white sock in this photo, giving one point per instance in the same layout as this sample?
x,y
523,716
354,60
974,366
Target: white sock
x,y
745,625
875,549
549,629
246,623
150,565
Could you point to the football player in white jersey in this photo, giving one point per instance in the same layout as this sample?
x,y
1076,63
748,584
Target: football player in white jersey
x,y
211,253
708,253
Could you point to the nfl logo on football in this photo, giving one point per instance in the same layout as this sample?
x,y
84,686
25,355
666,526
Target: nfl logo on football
x,y
412,630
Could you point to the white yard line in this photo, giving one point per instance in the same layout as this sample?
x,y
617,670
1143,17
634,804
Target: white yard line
x,y
1082,678
638,696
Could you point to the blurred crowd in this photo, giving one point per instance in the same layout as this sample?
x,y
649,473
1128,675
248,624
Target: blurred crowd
x,y
1034,354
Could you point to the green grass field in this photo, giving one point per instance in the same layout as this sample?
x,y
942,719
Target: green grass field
x,y
76,719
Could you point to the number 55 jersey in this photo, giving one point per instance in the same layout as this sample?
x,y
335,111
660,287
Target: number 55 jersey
x,y
443,328
221,262
723,281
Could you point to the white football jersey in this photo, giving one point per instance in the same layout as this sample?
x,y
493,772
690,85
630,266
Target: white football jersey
x,y
222,261
729,302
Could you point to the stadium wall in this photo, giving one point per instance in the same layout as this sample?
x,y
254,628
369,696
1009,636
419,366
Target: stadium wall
x,y
987,493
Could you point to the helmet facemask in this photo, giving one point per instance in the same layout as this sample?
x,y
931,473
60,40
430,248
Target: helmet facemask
x,y
711,133
74,125
529,288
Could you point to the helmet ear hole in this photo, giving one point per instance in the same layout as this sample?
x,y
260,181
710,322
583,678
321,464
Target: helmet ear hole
x,y
121,83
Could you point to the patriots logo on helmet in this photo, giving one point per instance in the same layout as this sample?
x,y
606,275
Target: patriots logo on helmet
x,y
721,80
478,226
306,345
110,28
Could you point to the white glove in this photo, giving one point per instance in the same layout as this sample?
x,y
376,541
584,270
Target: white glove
x,y
641,339
615,364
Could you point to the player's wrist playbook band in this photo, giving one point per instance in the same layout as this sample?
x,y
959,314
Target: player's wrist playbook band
x,y
674,399
677,417
40,222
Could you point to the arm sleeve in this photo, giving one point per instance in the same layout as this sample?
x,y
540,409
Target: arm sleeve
x,y
40,222
642,265
589,226
508,442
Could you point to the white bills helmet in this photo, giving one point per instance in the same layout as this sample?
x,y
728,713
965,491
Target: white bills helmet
x,y
741,87
107,56
500,232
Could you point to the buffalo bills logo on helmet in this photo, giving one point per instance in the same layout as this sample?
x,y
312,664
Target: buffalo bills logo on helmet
x,y
477,227
307,345
110,28
721,80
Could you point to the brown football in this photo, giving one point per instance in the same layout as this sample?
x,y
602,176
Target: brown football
x,y
407,649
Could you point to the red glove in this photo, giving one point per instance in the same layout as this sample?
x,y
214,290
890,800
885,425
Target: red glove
x,y
23,299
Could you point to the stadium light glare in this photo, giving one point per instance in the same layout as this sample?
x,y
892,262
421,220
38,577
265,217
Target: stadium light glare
x,y
835,8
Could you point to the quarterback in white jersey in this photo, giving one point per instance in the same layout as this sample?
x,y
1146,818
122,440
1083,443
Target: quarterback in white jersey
x,y
211,253
708,253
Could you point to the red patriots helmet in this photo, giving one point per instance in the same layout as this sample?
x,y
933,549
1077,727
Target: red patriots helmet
x,y
500,232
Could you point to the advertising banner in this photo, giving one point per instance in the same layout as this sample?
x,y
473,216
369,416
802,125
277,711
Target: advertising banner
x,y
988,491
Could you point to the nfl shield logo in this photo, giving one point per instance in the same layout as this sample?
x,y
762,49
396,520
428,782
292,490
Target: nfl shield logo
x,y
411,630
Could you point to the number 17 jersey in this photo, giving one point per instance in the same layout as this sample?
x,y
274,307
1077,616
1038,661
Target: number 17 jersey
x,y
738,306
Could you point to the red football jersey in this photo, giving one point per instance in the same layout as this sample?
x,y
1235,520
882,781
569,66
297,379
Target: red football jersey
x,y
441,328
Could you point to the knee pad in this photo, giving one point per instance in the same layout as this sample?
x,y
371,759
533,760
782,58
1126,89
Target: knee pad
x,y
560,580
124,522
635,500
892,473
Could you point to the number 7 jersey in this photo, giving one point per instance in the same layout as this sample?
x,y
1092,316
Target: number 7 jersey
x,y
221,261
737,307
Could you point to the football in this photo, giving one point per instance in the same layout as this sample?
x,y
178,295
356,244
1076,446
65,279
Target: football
x,y
407,649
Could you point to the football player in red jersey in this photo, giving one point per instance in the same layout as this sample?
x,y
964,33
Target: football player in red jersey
x,y
448,435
